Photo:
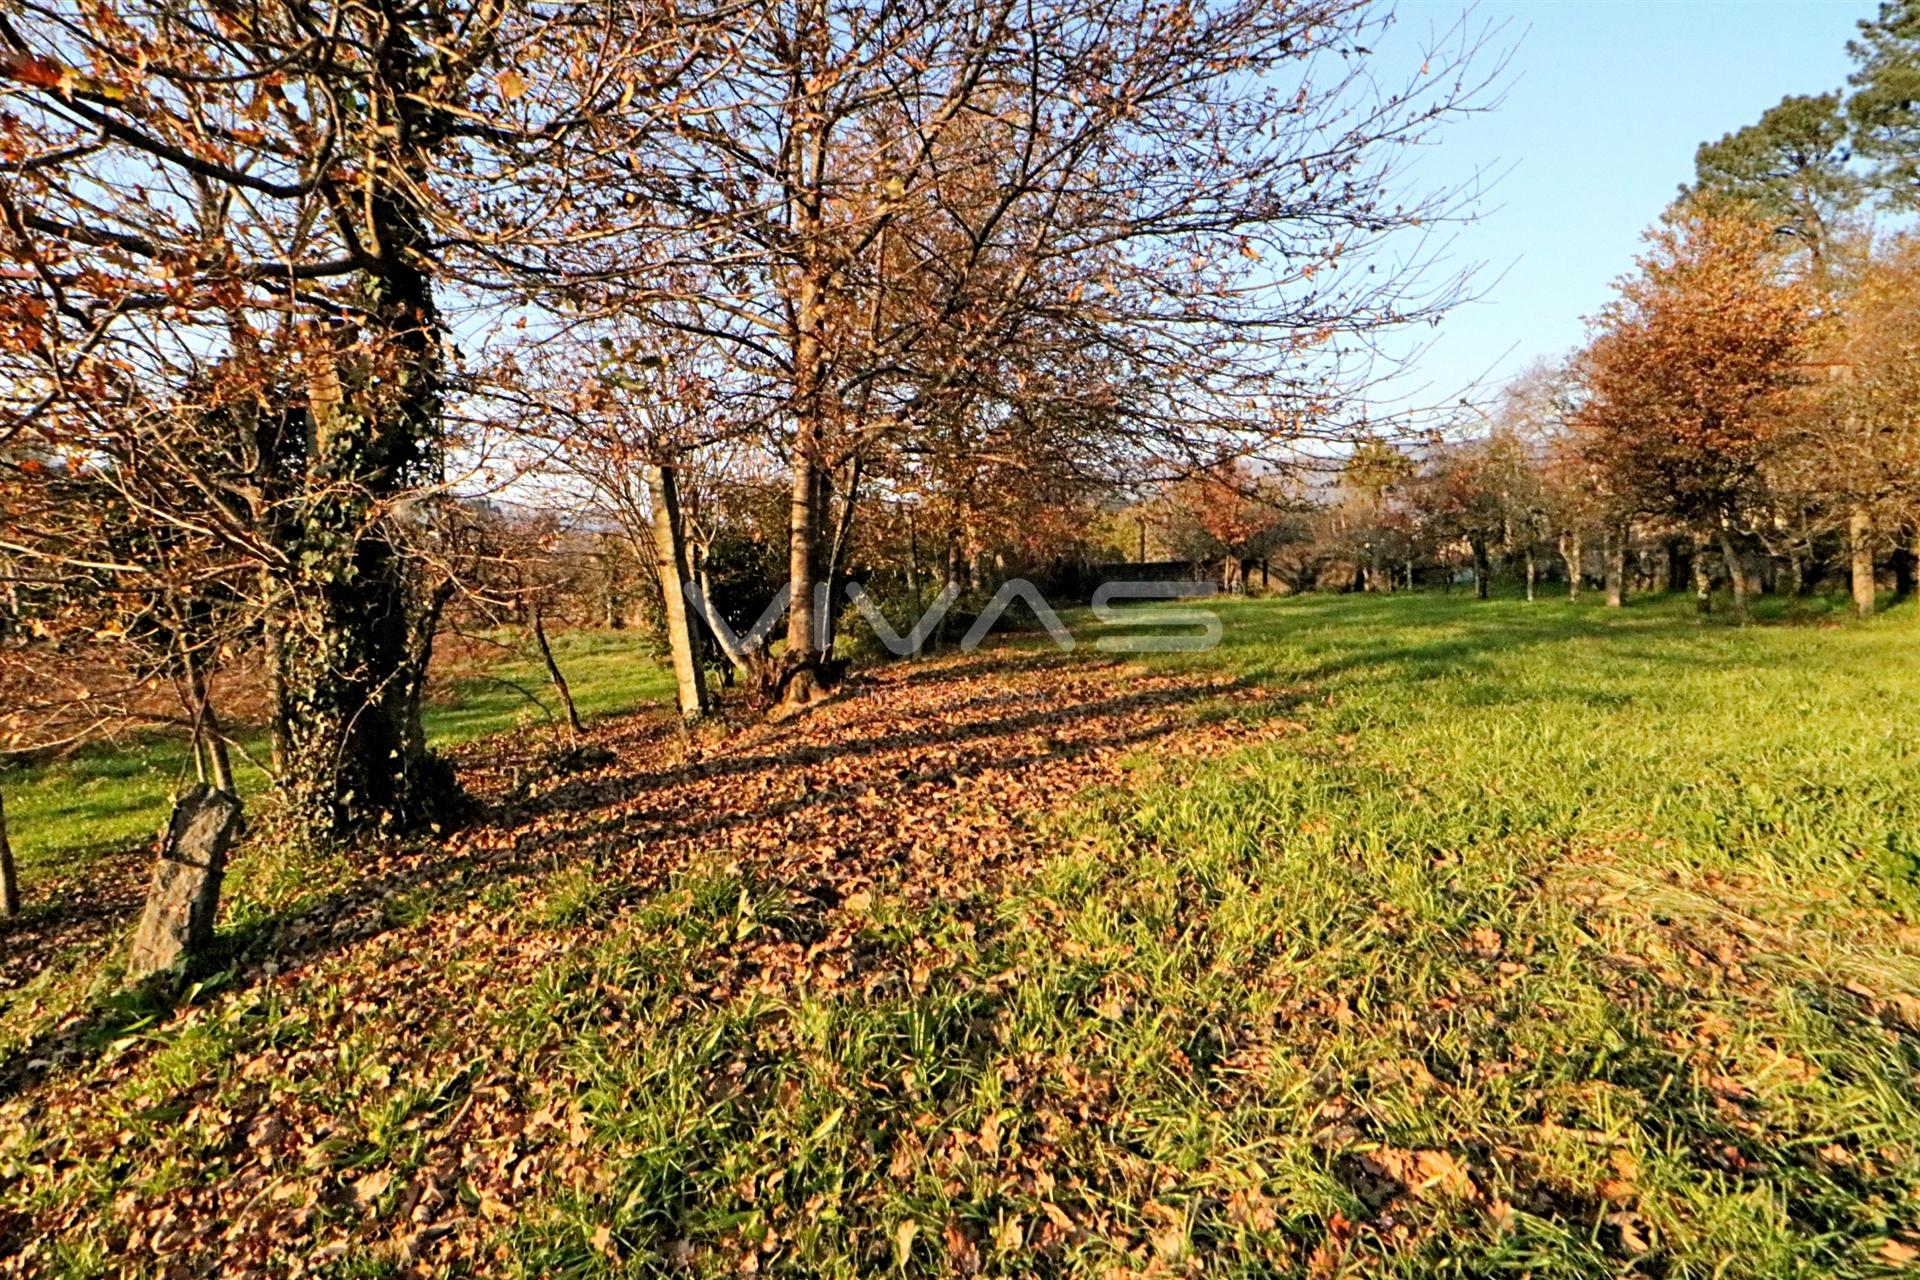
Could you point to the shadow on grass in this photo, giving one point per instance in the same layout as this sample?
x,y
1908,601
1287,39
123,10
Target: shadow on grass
x,y
1474,634
588,819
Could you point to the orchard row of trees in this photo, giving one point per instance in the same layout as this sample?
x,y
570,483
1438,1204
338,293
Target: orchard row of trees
x,y
289,288
1747,409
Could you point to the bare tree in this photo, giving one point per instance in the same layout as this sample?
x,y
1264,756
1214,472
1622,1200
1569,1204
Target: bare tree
x,y
251,229
888,216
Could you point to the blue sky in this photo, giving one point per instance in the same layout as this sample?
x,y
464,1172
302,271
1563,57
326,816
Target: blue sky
x,y
1604,106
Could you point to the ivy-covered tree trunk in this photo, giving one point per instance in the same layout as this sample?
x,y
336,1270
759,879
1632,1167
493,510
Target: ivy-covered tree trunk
x,y
355,634
350,665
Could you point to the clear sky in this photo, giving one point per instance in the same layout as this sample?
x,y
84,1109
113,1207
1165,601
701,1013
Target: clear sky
x,y
1605,104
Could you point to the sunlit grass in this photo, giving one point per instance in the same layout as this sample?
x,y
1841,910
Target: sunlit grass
x,y
1596,925
63,812
1555,942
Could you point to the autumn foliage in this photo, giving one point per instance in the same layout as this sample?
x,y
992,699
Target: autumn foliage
x,y
1697,370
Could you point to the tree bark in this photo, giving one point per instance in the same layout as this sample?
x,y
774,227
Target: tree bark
x,y
836,556
803,649
1482,569
670,558
356,633
209,744
1533,575
1573,553
1906,569
1736,572
555,676
1702,576
1616,569
1860,543
9,877
352,668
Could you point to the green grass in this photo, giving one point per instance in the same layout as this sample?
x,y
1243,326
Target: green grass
x,y
608,671
1563,942
65,812
1556,942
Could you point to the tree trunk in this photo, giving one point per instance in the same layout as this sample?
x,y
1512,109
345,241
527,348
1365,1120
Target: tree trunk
x,y
955,578
217,754
1906,568
351,660
1533,575
1482,569
184,895
1702,576
803,540
1616,569
1736,572
555,676
836,558
1915,550
9,877
1573,553
913,562
356,632
1860,541
670,558
210,752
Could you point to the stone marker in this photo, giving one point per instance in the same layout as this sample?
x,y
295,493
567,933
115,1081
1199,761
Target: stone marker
x,y
185,892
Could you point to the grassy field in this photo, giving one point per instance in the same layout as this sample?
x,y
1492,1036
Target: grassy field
x,y
1547,941
65,812
1563,943
1616,911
